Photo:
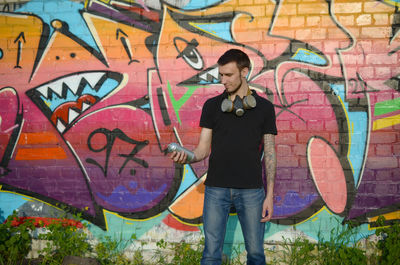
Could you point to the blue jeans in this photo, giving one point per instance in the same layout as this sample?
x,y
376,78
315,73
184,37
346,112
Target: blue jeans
x,y
248,204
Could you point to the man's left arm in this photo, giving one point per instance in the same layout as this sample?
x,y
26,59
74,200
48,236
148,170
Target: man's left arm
x,y
270,169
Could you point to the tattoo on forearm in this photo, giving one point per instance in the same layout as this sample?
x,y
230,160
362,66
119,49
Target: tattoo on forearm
x,y
270,158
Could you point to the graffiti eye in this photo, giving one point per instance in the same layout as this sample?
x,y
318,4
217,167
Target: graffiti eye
x,y
187,50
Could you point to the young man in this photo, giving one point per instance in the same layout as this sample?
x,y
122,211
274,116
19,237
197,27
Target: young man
x,y
233,132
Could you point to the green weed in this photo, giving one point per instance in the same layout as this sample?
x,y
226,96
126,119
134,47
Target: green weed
x,y
298,251
389,243
15,241
63,240
110,252
340,248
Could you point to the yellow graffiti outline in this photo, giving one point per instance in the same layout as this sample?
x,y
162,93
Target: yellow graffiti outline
x,y
183,222
388,216
125,218
29,198
391,2
213,33
307,52
314,216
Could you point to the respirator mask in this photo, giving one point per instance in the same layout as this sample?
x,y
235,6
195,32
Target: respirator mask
x,y
238,105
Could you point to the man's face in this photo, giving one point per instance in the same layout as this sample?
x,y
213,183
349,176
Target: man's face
x,y
231,77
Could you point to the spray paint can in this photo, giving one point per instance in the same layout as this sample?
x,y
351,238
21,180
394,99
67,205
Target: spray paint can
x,y
176,147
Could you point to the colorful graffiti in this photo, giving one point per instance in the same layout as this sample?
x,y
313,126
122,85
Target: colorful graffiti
x,y
91,96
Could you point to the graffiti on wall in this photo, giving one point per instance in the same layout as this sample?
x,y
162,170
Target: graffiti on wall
x,y
91,96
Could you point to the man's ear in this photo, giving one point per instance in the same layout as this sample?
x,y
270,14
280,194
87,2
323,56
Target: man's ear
x,y
244,72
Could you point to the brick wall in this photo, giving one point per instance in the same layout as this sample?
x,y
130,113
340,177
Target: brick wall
x,y
92,92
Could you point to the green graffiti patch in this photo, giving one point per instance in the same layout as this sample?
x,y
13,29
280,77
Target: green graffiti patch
x,y
177,104
387,106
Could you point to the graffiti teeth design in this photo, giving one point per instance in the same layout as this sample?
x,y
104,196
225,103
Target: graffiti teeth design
x,y
208,76
63,100
68,112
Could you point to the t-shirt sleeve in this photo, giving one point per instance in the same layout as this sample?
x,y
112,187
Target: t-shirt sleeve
x,y
270,120
206,119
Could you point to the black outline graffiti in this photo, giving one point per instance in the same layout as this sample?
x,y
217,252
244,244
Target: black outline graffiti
x,y
126,44
111,136
190,54
20,39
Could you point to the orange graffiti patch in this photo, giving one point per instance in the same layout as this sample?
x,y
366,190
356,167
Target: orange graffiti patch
x,y
119,42
19,43
190,204
40,153
37,138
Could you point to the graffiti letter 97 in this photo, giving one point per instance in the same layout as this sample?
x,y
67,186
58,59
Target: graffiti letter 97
x,y
110,139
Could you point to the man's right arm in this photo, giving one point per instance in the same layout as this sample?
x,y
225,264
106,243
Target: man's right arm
x,y
201,152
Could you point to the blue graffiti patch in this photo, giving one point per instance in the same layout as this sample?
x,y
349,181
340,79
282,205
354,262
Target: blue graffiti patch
x,y
8,203
221,30
122,198
68,11
358,125
189,178
292,203
197,4
307,56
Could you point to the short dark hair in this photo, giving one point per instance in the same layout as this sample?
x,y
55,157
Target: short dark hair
x,y
235,55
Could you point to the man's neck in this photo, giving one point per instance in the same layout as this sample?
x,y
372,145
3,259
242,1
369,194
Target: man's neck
x,y
241,92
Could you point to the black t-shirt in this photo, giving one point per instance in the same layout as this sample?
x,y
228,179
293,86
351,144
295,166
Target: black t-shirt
x,y
235,159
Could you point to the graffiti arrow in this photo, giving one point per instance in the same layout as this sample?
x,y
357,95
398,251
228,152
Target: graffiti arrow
x,y
19,39
125,42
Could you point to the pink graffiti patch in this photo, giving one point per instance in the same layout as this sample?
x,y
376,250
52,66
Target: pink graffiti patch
x,y
8,114
125,169
327,173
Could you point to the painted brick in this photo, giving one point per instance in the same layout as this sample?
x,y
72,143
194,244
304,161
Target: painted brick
x,y
283,150
369,187
297,22
289,161
313,20
364,19
381,59
288,9
312,34
382,73
380,19
373,7
312,9
384,175
287,138
384,150
382,162
376,32
284,173
341,8
387,189
346,20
